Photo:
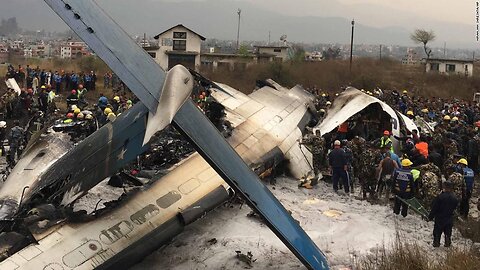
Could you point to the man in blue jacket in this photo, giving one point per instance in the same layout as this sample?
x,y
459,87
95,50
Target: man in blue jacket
x,y
339,166
442,211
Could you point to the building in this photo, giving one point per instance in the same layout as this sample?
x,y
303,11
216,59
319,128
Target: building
x,y
449,66
279,53
411,58
73,50
177,45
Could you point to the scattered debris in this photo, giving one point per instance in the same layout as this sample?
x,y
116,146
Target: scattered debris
x,y
212,241
246,258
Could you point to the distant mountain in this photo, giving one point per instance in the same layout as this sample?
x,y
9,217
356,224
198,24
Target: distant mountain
x,y
218,19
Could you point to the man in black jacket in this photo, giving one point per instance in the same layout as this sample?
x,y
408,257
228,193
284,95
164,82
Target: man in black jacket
x,y
442,212
338,165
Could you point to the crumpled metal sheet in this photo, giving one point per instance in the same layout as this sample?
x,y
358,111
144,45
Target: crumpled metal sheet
x,y
351,102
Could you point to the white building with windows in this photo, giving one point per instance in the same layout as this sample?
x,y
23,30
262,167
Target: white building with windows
x,y
280,53
177,45
449,66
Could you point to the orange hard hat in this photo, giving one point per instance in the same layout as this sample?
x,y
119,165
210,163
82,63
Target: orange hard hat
x,y
386,132
69,115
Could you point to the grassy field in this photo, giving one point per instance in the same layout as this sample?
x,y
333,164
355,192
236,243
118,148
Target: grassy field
x,y
409,256
328,75
366,74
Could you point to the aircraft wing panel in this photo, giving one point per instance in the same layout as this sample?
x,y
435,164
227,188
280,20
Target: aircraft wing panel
x,y
130,62
228,96
239,176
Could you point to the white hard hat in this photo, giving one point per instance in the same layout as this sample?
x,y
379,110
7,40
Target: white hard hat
x,y
337,142
3,124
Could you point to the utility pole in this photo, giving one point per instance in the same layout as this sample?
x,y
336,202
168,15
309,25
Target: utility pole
x,y
269,35
351,45
444,49
380,52
239,12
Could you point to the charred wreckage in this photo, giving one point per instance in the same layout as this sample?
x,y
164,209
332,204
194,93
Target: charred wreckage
x,y
148,157
43,229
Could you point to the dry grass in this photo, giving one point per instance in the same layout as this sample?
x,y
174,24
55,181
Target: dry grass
x,y
366,74
410,256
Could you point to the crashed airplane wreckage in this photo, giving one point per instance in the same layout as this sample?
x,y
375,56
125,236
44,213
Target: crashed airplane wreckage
x,y
269,123
352,103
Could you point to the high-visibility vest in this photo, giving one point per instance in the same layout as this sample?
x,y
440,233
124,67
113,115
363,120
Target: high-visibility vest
x,y
384,142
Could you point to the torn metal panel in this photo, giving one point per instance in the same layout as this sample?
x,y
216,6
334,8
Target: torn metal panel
x,y
126,58
41,152
12,84
353,101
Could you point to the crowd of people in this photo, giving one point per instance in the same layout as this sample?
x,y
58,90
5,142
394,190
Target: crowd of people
x,y
40,97
435,164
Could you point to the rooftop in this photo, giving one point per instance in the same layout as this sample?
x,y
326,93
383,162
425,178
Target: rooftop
x,y
179,25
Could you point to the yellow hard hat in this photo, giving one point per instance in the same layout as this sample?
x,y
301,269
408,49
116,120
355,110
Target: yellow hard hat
x,y
405,91
329,103
425,110
43,87
116,98
410,113
111,117
324,95
89,117
406,162
454,119
446,118
107,111
463,161
76,111
74,107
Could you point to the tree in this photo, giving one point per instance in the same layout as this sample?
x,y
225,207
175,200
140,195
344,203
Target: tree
x,y
296,53
331,53
423,36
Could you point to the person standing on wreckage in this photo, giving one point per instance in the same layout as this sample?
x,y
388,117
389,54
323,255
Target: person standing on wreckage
x,y
316,145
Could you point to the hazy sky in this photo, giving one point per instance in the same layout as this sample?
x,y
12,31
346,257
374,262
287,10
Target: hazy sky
x,y
382,11
452,20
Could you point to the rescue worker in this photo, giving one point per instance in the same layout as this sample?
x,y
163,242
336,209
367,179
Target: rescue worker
x,y
467,186
81,92
442,211
72,99
403,187
410,115
15,140
111,117
385,141
316,144
116,104
338,166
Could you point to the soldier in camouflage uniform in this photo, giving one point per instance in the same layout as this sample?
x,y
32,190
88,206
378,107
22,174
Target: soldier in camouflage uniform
x,y
358,145
458,184
451,150
316,145
430,183
368,160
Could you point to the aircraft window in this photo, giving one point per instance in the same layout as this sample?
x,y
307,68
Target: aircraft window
x,y
41,154
168,199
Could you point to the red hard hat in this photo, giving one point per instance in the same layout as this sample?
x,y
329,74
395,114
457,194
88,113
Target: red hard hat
x,y
69,115
477,124
80,86
386,132
74,92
